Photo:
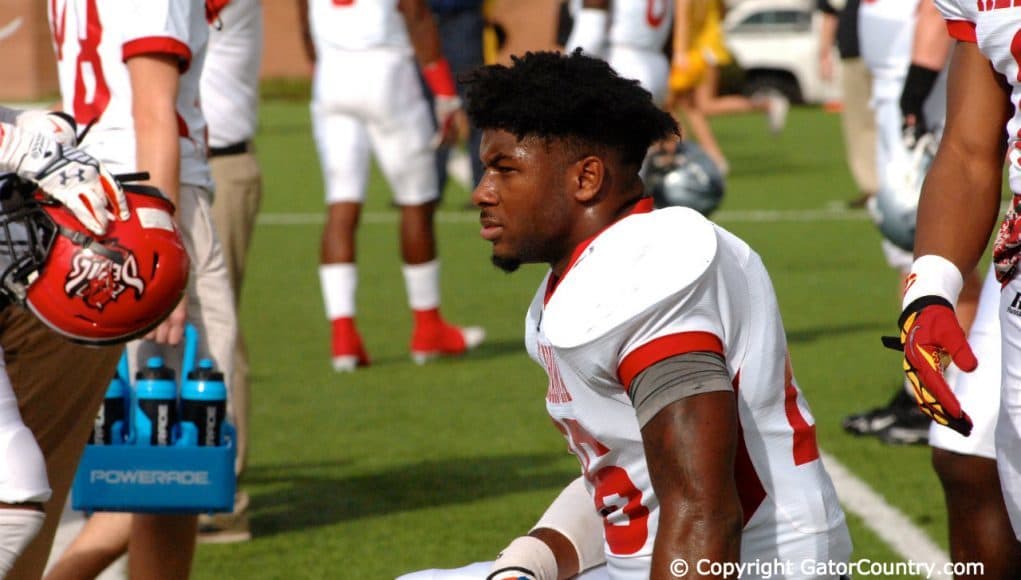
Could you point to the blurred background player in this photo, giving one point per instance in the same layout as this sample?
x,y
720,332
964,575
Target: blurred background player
x,y
461,25
698,51
55,383
887,32
629,35
365,95
840,28
230,101
146,58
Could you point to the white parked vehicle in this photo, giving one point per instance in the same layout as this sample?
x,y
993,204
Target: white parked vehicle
x,y
776,42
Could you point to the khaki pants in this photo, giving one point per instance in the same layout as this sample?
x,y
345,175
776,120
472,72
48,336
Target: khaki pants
x,y
235,207
859,124
59,386
210,300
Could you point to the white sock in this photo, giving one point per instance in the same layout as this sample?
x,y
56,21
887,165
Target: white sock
x,y
422,281
338,283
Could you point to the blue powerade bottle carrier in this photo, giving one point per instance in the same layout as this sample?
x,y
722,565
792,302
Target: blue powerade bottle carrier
x,y
182,477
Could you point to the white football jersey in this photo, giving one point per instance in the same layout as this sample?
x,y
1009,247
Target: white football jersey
x,y
994,26
641,24
653,285
886,29
94,38
357,24
230,78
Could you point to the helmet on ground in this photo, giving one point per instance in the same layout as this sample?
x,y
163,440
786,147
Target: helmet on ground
x,y
896,203
92,289
686,177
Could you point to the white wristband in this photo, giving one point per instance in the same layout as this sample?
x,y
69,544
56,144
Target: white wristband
x,y
589,32
530,553
933,275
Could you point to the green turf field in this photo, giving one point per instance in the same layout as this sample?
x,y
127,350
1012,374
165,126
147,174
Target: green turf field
x,y
399,467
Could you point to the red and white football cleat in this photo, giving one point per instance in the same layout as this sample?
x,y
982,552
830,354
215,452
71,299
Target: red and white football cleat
x,y
347,348
434,338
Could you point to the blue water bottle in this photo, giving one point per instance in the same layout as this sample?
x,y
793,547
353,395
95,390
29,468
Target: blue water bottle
x,y
156,408
110,424
203,406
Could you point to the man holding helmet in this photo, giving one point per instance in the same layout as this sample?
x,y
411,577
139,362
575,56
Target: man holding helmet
x,y
50,257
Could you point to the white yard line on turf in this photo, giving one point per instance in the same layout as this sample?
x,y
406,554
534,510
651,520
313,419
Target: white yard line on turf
x,y
886,521
451,217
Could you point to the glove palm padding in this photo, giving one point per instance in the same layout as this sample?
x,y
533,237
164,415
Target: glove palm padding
x,y
931,337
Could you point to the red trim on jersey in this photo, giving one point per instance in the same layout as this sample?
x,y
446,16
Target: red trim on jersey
x,y
749,486
213,9
806,449
962,30
644,205
665,347
158,45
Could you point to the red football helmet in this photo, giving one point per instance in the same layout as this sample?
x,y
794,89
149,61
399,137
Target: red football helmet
x,y
93,290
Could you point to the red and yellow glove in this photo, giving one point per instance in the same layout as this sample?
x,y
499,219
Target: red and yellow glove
x,y
931,337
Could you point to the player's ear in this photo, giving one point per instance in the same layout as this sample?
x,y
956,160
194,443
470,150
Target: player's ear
x,y
589,173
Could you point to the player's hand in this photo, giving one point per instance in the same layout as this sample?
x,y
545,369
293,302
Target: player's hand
x,y
451,121
931,337
512,573
56,124
78,181
171,330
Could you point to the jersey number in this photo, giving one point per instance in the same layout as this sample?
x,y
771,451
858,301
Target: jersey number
x,y
617,499
91,93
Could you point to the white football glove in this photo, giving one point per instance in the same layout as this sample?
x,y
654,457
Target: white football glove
x,y
70,176
445,108
56,124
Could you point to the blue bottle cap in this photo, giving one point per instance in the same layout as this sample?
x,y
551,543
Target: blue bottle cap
x,y
155,370
204,384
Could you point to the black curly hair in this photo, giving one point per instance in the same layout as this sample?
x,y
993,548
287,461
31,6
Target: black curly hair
x,y
572,97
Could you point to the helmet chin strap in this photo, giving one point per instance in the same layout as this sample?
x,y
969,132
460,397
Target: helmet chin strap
x,y
90,243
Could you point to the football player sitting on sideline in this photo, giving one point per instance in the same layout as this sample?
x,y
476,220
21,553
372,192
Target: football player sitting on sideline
x,y
661,337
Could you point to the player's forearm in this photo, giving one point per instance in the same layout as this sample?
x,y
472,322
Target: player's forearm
x,y
961,195
425,38
958,207
154,84
709,531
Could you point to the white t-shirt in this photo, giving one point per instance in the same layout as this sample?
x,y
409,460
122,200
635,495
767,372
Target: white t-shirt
x,y
654,285
994,29
230,79
358,24
94,39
